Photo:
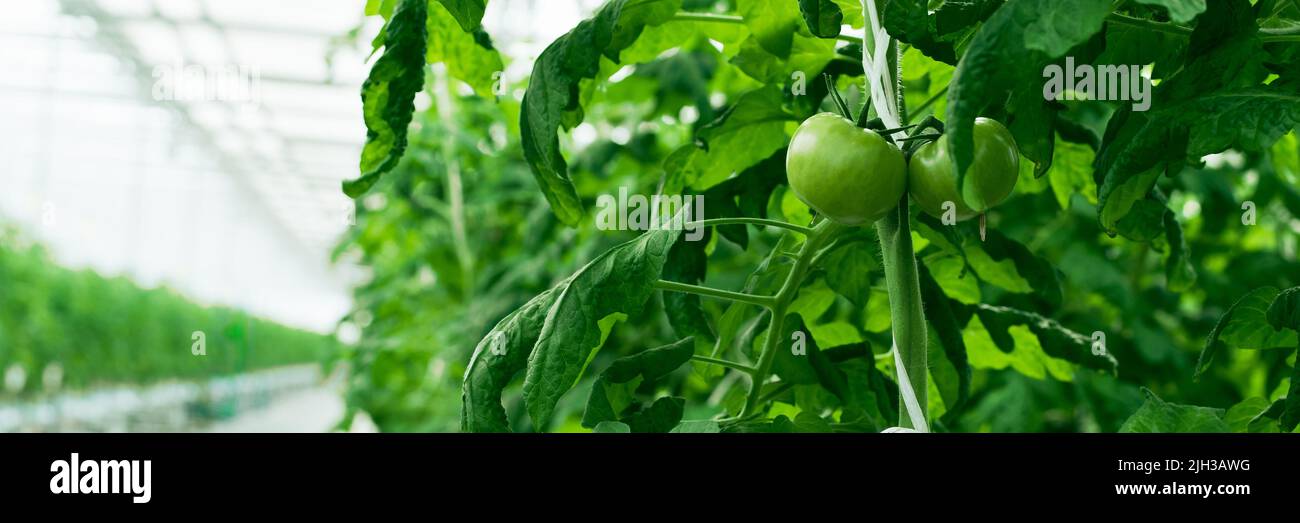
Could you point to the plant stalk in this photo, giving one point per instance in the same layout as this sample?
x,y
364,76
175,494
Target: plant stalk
x,y
724,363
712,222
906,312
734,19
1266,34
894,231
455,186
823,233
672,286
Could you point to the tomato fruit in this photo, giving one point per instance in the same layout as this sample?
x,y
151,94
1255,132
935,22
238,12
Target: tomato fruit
x,y
851,175
932,180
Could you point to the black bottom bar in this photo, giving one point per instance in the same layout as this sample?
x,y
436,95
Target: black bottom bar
x,y
327,472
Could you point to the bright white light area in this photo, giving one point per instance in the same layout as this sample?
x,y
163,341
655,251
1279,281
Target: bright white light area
x,y
231,199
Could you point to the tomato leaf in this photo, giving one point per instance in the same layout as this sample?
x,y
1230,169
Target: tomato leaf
x,y
806,54
687,263
1246,325
772,22
911,23
948,364
960,15
555,334
468,52
1009,51
552,98
823,17
661,416
1239,417
1284,312
748,132
1180,11
613,391
1056,340
746,194
1179,273
1249,328
468,13
1158,416
812,367
1291,405
1214,103
1040,276
497,358
388,94
612,427
849,269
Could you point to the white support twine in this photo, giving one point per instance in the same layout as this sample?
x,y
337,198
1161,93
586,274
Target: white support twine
x,y
882,98
909,395
875,64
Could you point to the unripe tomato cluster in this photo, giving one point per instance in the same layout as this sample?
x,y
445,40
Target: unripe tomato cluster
x,y
854,176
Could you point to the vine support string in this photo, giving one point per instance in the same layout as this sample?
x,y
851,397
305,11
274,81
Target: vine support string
x,y
894,231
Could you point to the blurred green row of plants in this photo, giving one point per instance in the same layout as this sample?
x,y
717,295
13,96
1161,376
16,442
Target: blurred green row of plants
x,y
62,328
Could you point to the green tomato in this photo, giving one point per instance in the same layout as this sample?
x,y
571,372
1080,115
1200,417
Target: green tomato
x,y
848,174
932,180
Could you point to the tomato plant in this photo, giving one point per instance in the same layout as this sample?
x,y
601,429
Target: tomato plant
x,y
818,298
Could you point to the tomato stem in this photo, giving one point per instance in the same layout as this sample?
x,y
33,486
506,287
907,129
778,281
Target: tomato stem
x,y
930,101
984,226
1267,34
725,363
835,97
734,19
896,129
714,222
672,286
823,233
904,287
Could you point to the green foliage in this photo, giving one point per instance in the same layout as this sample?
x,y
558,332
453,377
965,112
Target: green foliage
x,y
417,32
614,391
941,35
468,53
1158,416
1284,312
52,316
823,17
1123,250
554,335
1180,11
1005,61
552,99
388,95
1218,100
468,13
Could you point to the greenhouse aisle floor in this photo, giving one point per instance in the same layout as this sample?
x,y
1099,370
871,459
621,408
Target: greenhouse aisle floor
x,y
314,409
289,399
